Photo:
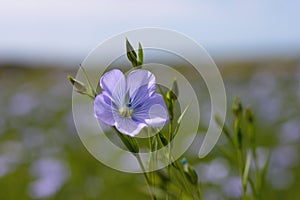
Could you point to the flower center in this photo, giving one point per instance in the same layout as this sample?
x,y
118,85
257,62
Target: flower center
x,y
125,111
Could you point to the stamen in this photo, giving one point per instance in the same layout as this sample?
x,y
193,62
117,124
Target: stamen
x,y
125,112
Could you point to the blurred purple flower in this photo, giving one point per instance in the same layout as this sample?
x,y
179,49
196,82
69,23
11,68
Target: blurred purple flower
x,y
130,104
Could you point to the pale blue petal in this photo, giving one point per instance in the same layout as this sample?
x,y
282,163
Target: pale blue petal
x,y
139,97
138,93
153,112
114,83
140,80
110,79
104,110
128,126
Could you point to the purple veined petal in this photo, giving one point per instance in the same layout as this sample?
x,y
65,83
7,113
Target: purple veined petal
x,y
139,96
110,79
153,112
103,109
128,126
114,83
140,79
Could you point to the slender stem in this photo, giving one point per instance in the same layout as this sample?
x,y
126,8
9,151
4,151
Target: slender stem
x,y
253,187
185,181
152,159
198,192
170,150
145,175
241,169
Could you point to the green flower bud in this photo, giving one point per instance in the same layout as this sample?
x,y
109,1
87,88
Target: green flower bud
x,y
141,55
79,86
131,55
237,108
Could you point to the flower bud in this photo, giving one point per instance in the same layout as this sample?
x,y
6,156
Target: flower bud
x,y
79,86
131,55
141,55
237,108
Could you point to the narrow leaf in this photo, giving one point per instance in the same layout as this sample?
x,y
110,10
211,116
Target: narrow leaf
x,y
246,169
91,89
183,113
265,170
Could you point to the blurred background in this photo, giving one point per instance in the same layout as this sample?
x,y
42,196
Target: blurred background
x,y
255,44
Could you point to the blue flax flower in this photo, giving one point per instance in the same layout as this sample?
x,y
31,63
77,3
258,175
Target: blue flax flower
x,y
131,103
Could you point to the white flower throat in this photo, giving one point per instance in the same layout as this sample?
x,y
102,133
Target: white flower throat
x,y
126,110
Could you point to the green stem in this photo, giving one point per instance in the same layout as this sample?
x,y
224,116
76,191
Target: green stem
x,y
253,187
241,169
198,192
145,175
185,181
152,160
170,150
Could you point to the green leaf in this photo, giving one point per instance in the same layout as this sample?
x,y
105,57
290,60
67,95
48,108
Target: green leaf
x,y
179,120
131,54
183,113
162,92
264,171
92,92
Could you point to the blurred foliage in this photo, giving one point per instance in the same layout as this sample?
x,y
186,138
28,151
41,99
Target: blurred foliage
x,y
41,155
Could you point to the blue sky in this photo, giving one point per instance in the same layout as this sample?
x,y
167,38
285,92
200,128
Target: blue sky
x,y
67,30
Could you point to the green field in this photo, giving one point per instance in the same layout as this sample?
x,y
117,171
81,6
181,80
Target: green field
x,y
42,157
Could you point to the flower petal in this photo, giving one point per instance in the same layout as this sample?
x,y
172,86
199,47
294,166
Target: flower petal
x,y
128,126
110,79
153,112
141,85
104,110
114,83
139,96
